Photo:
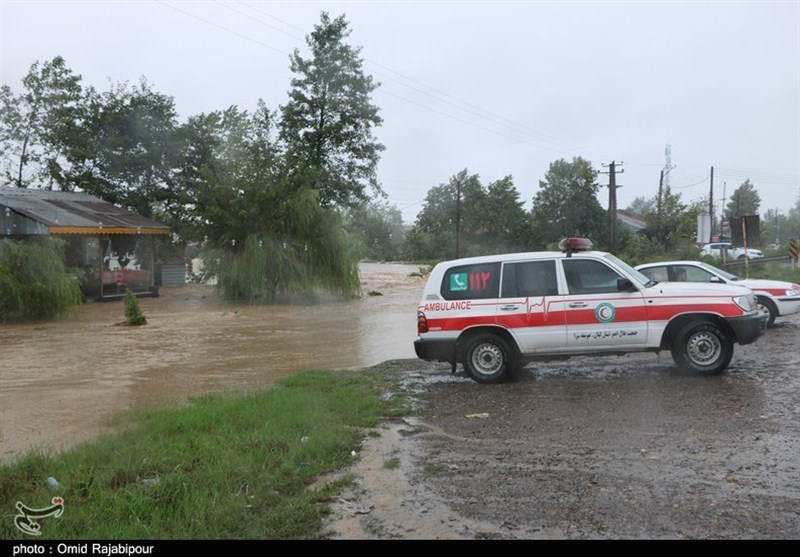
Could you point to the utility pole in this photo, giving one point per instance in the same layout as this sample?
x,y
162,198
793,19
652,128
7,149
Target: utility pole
x,y
711,203
658,207
723,217
458,217
612,205
776,226
663,184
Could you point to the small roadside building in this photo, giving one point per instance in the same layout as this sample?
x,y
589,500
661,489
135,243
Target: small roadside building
x,y
634,223
115,248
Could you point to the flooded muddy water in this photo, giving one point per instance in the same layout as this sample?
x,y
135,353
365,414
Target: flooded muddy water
x,y
62,381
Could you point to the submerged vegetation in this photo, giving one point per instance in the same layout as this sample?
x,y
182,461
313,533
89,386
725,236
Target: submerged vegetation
x,y
34,283
133,311
266,268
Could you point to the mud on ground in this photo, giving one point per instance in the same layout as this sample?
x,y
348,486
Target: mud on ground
x,y
604,448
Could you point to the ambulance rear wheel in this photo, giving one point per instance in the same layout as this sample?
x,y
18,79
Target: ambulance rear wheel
x,y
702,348
489,359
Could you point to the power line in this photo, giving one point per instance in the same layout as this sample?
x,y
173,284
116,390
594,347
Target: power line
x,y
240,35
442,96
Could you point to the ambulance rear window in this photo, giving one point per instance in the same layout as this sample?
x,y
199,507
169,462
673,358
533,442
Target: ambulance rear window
x,y
530,278
471,282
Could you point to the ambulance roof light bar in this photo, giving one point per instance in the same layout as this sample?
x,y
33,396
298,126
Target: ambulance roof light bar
x,y
571,245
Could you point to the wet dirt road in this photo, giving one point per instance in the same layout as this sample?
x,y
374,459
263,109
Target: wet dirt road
x,y
605,448
62,381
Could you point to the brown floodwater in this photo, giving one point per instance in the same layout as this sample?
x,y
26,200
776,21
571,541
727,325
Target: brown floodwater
x,y
62,382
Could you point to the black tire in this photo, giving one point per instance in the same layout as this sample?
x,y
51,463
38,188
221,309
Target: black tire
x,y
702,348
489,359
768,306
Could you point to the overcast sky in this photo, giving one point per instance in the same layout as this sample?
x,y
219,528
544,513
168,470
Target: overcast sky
x,y
496,88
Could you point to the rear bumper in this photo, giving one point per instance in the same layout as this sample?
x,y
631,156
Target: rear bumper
x,y
748,328
435,350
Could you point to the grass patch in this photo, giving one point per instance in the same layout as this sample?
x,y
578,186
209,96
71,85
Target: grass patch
x,y
431,469
222,467
392,463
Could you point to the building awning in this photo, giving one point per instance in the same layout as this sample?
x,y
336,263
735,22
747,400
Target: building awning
x,y
96,230
65,213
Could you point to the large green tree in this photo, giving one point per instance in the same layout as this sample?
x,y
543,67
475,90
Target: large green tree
x,y
37,124
791,230
228,179
263,229
328,122
642,207
567,205
671,223
439,226
497,221
463,218
118,145
125,150
744,200
378,228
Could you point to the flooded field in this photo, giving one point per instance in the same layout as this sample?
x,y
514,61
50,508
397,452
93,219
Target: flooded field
x,y
61,382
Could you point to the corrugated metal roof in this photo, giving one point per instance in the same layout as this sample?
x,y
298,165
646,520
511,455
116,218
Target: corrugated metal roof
x,y
72,212
631,220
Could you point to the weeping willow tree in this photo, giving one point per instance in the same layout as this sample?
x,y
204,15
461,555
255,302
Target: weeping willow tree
x,y
34,282
304,252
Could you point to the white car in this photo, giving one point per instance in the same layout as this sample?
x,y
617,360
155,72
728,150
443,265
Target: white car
x,y
494,314
725,250
776,297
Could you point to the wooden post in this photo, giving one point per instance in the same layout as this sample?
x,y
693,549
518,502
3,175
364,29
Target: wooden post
x,y
744,241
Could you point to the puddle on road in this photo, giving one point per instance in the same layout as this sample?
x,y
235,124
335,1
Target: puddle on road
x,y
60,382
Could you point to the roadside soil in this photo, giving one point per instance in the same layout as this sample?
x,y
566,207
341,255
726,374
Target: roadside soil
x,y
590,448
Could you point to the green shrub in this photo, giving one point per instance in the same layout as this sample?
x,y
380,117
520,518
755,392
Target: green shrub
x,y
34,282
133,313
266,268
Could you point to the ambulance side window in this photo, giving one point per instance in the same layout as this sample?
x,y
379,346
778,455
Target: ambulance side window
x,y
587,276
471,282
693,274
529,278
656,273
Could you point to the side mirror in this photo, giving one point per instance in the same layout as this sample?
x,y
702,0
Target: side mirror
x,y
717,280
625,285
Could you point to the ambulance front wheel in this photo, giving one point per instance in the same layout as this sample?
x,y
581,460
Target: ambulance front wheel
x,y
702,348
489,359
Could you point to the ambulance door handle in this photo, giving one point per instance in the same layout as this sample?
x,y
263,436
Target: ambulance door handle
x,y
509,308
578,305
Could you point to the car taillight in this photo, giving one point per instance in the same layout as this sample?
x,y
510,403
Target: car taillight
x,y
422,323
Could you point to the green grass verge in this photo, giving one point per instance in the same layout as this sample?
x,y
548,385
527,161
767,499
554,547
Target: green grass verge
x,y
220,467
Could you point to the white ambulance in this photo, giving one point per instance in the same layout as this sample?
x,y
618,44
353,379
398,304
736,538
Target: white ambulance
x,y
495,314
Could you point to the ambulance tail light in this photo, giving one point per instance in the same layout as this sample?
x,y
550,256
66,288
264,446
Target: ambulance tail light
x,y
422,323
